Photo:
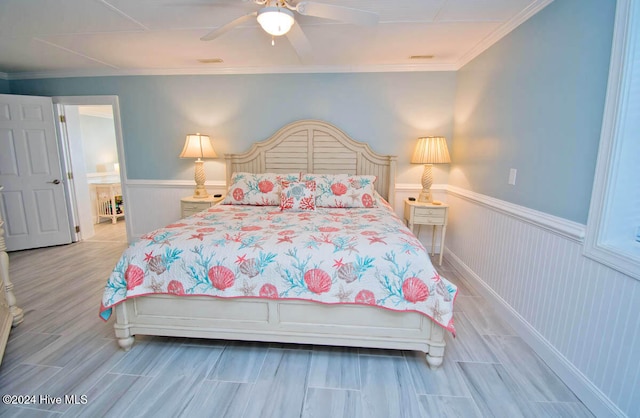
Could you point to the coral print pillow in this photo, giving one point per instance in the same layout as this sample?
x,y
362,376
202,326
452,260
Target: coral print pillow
x,y
343,190
298,195
257,189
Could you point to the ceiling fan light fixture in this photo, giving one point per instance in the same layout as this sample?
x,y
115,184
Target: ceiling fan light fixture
x,y
276,21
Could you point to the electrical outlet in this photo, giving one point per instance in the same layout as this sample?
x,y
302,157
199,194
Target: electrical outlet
x,y
512,176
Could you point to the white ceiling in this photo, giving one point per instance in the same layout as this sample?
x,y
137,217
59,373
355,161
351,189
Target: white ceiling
x,y
40,38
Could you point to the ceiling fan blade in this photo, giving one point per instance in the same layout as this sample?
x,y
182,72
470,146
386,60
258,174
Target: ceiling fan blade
x,y
343,14
300,43
224,29
221,3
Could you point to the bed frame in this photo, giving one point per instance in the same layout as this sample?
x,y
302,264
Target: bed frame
x,y
313,147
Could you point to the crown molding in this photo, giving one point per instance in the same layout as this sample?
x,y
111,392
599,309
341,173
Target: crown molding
x,y
324,69
502,31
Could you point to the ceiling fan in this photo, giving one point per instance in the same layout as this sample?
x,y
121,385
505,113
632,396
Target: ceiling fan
x,y
276,17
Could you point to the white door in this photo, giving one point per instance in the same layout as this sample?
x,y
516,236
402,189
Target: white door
x,y
34,203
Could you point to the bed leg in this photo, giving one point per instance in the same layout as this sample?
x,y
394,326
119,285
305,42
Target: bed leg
x,y
123,334
126,343
434,361
121,327
435,353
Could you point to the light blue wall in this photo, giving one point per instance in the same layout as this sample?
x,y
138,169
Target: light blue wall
x,y
4,86
98,143
534,102
387,110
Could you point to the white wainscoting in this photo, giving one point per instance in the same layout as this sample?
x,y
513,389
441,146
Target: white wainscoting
x,y
155,203
581,317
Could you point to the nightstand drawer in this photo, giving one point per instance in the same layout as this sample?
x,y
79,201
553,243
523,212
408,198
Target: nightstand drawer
x,y
189,208
418,211
190,205
190,211
429,219
196,207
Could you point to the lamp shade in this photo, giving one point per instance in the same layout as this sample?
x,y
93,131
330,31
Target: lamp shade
x,y
275,21
431,150
198,146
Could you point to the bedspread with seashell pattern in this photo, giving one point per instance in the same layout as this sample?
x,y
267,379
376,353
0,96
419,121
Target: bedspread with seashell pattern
x,y
330,255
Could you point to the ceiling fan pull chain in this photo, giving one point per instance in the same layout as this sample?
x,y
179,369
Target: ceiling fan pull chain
x,y
279,27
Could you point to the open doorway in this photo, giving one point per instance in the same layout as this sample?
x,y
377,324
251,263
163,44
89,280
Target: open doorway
x,y
92,143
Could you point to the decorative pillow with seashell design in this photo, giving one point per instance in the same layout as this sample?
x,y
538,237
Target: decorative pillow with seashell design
x,y
298,196
257,189
343,190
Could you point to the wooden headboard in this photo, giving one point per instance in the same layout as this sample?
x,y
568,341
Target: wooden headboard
x,y
312,146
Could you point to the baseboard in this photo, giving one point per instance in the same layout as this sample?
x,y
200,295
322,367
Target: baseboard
x,y
593,398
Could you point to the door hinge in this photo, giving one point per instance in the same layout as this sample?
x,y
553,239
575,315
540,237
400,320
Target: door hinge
x,y
70,175
63,119
77,228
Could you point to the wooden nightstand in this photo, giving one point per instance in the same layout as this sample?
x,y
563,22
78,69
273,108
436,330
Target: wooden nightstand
x,y
416,213
190,205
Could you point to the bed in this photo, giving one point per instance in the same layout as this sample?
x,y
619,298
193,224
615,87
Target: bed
x,y
218,274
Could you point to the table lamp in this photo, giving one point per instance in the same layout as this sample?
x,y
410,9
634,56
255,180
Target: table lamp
x,y
198,146
429,150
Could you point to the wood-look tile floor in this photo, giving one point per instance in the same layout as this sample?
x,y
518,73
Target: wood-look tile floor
x,y
109,232
63,348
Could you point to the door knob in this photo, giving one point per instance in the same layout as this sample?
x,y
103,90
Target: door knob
x,y
56,181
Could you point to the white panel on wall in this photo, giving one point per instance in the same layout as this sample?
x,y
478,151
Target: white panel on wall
x,y
579,315
614,219
154,204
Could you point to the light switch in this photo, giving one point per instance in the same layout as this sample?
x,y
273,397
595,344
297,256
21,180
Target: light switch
x,y
512,176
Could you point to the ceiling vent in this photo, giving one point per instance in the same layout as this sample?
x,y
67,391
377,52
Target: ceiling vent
x,y
210,60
